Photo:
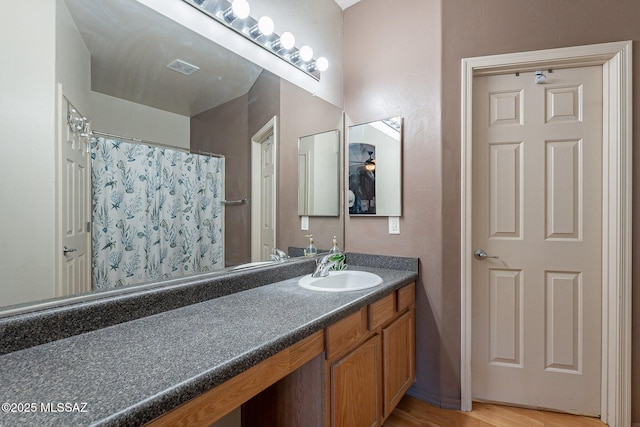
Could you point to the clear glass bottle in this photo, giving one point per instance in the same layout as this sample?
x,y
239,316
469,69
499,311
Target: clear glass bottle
x,y
311,249
335,249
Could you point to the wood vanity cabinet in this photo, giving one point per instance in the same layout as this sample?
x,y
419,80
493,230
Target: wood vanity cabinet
x,y
370,361
353,373
398,353
355,386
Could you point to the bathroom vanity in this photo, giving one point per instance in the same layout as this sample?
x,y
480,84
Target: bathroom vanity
x,y
287,355
352,373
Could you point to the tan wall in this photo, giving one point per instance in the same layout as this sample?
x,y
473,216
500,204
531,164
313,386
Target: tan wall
x,y
392,68
485,27
223,130
228,129
264,101
314,23
424,83
300,115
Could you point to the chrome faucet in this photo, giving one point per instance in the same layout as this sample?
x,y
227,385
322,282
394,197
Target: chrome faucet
x,y
278,255
323,265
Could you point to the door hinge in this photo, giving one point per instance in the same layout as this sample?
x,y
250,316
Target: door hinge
x,y
88,227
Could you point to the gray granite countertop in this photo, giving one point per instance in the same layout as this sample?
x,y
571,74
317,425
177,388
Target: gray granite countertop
x,y
130,373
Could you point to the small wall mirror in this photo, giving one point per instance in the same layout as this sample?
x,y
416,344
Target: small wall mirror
x,y
375,168
319,174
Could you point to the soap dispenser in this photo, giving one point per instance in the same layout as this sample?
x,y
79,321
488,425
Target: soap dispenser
x,y
337,257
311,249
335,249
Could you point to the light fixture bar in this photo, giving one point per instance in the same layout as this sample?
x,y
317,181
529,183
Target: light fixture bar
x,y
261,33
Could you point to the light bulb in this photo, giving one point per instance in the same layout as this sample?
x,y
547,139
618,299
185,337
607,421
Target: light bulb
x,y
322,64
287,40
240,8
306,53
266,26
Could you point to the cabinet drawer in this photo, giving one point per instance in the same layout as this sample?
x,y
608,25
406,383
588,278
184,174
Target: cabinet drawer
x,y
346,334
382,311
406,296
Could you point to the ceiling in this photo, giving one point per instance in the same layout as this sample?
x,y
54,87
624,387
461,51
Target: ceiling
x,y
346,3
131,46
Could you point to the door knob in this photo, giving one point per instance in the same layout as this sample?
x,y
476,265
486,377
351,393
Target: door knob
x,y
66,250
481,255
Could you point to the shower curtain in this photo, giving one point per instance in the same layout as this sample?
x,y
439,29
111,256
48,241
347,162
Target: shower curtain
x,y
157,213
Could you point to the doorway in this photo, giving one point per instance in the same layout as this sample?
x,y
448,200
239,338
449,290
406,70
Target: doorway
x,y
73,234
616,214
537,207
264,201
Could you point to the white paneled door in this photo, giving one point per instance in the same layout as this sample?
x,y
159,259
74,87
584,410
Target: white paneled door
x,y
537,208
267,198
264,200
74,232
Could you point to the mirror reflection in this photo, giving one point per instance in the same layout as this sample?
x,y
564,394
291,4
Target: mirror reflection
x,y
176,119
375,168
318,174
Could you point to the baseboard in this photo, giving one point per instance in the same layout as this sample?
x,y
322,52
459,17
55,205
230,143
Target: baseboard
x,y
436,400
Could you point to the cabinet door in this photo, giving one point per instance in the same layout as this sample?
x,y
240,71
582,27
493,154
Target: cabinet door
x,y
355,387
399,360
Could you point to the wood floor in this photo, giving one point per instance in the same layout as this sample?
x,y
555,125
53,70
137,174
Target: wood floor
x,y
412,412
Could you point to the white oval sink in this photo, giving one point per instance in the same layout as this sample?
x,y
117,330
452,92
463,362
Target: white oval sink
x,y
341,281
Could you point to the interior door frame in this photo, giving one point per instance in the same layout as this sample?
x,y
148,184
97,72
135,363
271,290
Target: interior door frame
x,y
61,288
616,61
271,127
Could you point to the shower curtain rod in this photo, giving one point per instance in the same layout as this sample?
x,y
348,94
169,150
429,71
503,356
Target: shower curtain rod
x,y
157,144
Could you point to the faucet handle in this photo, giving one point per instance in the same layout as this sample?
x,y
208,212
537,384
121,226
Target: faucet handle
x,y
278,255
323,260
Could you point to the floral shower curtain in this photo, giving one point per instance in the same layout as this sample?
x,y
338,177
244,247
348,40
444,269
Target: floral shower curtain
x,y
157,213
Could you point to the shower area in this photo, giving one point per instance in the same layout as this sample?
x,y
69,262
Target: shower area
x,y
157,212
153,203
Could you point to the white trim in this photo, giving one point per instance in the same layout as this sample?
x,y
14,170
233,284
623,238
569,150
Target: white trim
x,y
271,127
223,196
58,288
617,200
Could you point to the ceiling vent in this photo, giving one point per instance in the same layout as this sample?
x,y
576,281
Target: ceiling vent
x,y
183,67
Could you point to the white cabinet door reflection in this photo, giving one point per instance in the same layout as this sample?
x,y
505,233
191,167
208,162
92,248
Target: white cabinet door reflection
x,y
319,174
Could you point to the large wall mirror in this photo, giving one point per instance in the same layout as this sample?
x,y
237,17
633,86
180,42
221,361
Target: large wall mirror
x,y
153,89
375,168
319,174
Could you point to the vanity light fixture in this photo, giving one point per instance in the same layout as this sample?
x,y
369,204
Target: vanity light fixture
x,y
305,54
321,64
394,123
286,42
239,10
264,27
235,14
